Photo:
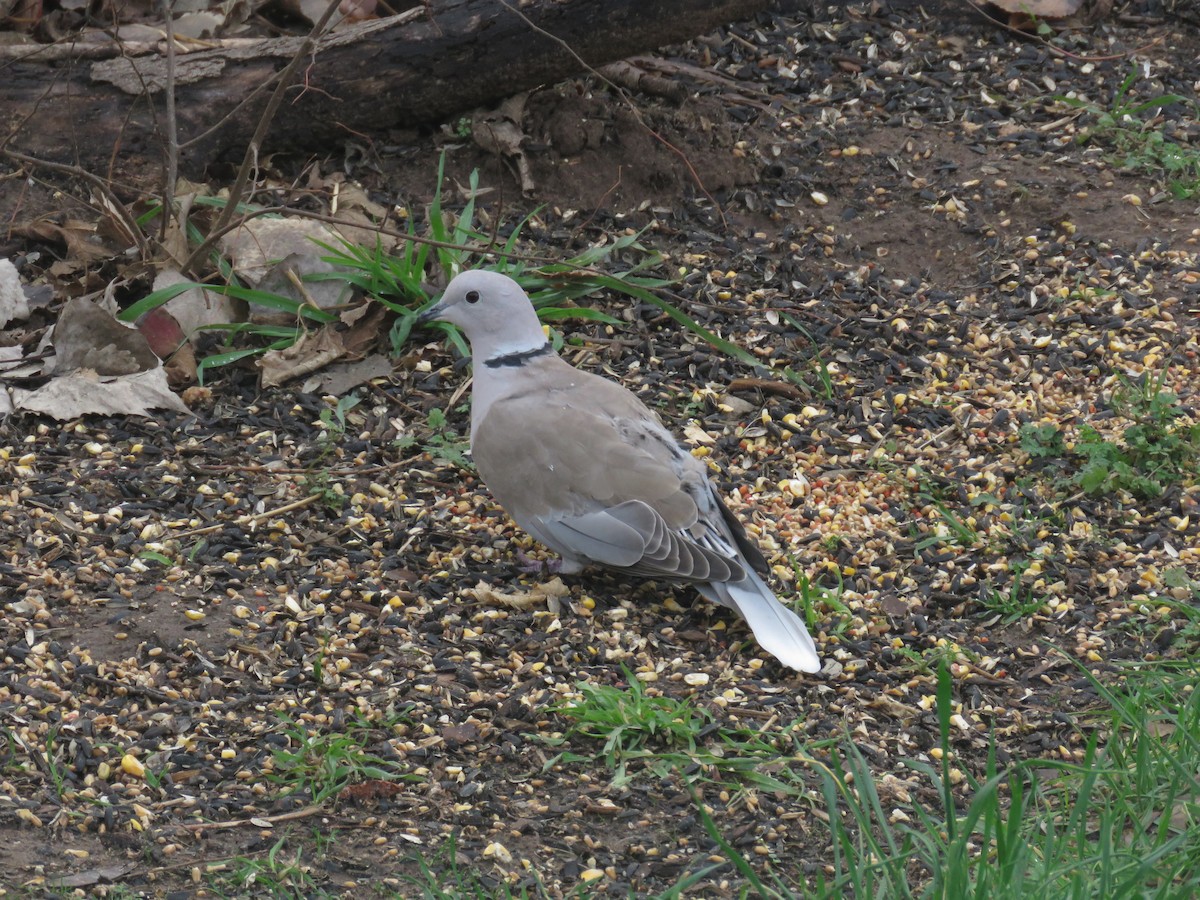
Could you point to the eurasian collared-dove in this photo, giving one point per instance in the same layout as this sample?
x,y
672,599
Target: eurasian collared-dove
x,y
582,465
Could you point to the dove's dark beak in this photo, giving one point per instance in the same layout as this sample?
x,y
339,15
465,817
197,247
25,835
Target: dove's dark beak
x,y
430,314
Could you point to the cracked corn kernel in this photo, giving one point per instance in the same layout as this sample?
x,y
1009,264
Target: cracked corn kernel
x,y
28,817
131,765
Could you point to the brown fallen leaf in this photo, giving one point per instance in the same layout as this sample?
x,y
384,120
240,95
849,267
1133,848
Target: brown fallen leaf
x,y
167,341
341,378
894,606
80,238
84,392
276,255
462,733
313,351
365,326
93,876
370,790
547,595
87,337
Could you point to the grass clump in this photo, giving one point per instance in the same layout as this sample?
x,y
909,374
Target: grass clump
x,y
430,254
1153,452
647,734
1120,818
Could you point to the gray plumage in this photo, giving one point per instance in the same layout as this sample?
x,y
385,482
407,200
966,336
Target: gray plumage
x,y
585,468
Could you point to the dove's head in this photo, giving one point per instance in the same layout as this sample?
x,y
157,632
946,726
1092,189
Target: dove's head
x,y
492,311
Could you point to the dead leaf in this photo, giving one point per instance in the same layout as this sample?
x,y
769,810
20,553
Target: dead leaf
x,y
13,305
93,876
499,132
80,238
1044,9
167,341
354,313
462,733
86,337
174,240
350,195
314,350
275,255
338,380
547,594
894,606
83,392
365,331
195,308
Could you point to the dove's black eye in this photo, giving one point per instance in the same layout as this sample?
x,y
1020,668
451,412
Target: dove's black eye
x,y
472,296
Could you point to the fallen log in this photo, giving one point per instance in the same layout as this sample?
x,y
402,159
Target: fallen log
x,y
101,107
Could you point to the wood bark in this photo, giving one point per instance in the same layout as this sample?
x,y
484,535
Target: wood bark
x,y
100,107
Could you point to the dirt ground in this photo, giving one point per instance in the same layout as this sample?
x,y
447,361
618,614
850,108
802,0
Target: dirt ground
x,y
888,196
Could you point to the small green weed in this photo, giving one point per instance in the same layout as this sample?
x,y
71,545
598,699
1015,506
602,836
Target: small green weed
x,y
630,721
941,653
440,876
821,371
815,602
1156,450
442,442
1153,452
1172,611
275,874
322,765
1043,441
55,768
1138,142
333,429
952,529
1017,602
333,421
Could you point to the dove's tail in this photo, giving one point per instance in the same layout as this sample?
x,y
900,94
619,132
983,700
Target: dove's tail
x,y
777,629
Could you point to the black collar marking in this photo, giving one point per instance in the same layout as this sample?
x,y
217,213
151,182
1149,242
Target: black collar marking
x,y
519,358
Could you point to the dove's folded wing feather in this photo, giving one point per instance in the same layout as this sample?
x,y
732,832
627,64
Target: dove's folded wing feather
x,y
594,484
